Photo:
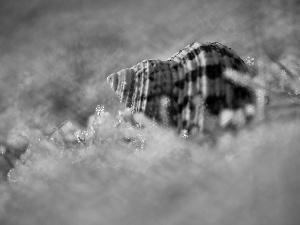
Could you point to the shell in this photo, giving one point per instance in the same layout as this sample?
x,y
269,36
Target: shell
x,y
185,87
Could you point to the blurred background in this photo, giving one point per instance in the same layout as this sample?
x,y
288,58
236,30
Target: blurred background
x,y
55,56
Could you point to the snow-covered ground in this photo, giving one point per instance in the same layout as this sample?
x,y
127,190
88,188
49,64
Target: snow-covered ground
x,y
55,57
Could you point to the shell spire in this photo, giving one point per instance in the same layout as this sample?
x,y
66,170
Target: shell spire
x,y
122,83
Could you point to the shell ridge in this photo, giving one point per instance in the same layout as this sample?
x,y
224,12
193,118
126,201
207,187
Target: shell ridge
x,y
143,72
146,88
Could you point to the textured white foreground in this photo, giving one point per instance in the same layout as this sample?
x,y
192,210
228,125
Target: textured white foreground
x,y
251,178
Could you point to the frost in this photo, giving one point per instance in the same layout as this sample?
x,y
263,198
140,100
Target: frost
x,y
99,110
132,171
250,60
184,133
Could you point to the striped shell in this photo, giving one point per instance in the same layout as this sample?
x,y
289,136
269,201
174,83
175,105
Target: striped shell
x,y
180,90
